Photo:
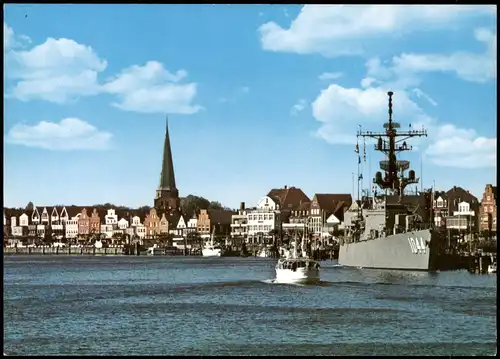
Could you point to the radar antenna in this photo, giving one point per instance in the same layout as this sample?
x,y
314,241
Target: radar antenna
x,y
388,142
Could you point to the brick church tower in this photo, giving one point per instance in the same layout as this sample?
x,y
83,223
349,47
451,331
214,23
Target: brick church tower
x,y
167,196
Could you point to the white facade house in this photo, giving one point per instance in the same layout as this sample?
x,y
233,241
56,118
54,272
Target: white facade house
x,y
123,224
45,216
192,224
35,216
440,211
140,231
111,217
239,224
263,218
56,223
181,226
461,219
139,228
23,220
15,229
72,227
63,216
136,220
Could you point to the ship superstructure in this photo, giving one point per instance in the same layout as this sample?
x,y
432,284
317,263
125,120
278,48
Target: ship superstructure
x,y
390,230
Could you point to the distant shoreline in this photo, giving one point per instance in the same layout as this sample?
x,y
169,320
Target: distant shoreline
x,y
63,251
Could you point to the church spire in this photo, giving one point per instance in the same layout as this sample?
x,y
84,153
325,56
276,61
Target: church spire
x,y
167,178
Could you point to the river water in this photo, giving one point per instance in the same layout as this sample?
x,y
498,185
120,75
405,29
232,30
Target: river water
x,y
57,305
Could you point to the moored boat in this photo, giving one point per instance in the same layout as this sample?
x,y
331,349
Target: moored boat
x,y
492,268
210,249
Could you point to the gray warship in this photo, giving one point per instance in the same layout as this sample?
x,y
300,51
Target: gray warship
x,y
393,229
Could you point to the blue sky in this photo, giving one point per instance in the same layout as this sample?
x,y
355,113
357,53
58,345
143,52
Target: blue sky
x,y
258,96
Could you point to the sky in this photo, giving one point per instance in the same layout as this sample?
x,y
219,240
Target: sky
x,y
257,97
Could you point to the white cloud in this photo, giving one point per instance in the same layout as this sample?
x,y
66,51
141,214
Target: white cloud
x,y
455,147
330,75
62,70
12,40
69,134
59,70
340,110
367,82
298,107
335,30
152,89
244,89
403,70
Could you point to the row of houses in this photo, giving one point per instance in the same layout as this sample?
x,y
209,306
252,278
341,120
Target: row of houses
x,y
74,221
289,208
282,210
461,210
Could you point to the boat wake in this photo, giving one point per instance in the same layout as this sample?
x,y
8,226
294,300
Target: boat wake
x,y
273,281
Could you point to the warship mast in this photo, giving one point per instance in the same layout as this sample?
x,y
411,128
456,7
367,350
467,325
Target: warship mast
x,y
388,142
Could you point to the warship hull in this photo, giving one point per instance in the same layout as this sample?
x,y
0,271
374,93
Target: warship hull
x,y
406,251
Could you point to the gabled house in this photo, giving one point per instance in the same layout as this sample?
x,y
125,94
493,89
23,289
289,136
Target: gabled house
x,y
182,225
264,218
440,208
84,223
323,206
488,210
71,223
152,223
164,225
95,221
123,224
192,223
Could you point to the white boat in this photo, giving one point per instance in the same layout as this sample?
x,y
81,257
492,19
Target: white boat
x,y
155,251
210,249
265,252
297,269
492,268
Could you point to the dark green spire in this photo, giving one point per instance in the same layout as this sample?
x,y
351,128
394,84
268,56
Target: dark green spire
x,y
167,179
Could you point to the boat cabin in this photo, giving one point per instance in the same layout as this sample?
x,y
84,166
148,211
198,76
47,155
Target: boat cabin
x,y
294,263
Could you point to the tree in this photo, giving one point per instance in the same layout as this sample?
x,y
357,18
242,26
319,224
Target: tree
x,y
191,203
215,205
144,209
30,207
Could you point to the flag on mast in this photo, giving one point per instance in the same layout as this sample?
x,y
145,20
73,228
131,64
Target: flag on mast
x,y
364,150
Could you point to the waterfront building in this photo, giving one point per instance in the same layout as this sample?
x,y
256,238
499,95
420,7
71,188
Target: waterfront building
x,y
83,223
139,229
163,224
210,220
193,223
152,223
273,212
463,210
167,196
263,219
203,224
327,210
239,223
95,222
440,208
123,223
488,209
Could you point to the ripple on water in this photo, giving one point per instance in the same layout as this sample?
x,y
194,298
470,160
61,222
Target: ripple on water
x,y
229,306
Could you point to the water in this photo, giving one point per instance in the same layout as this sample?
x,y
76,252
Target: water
x,y
229,306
